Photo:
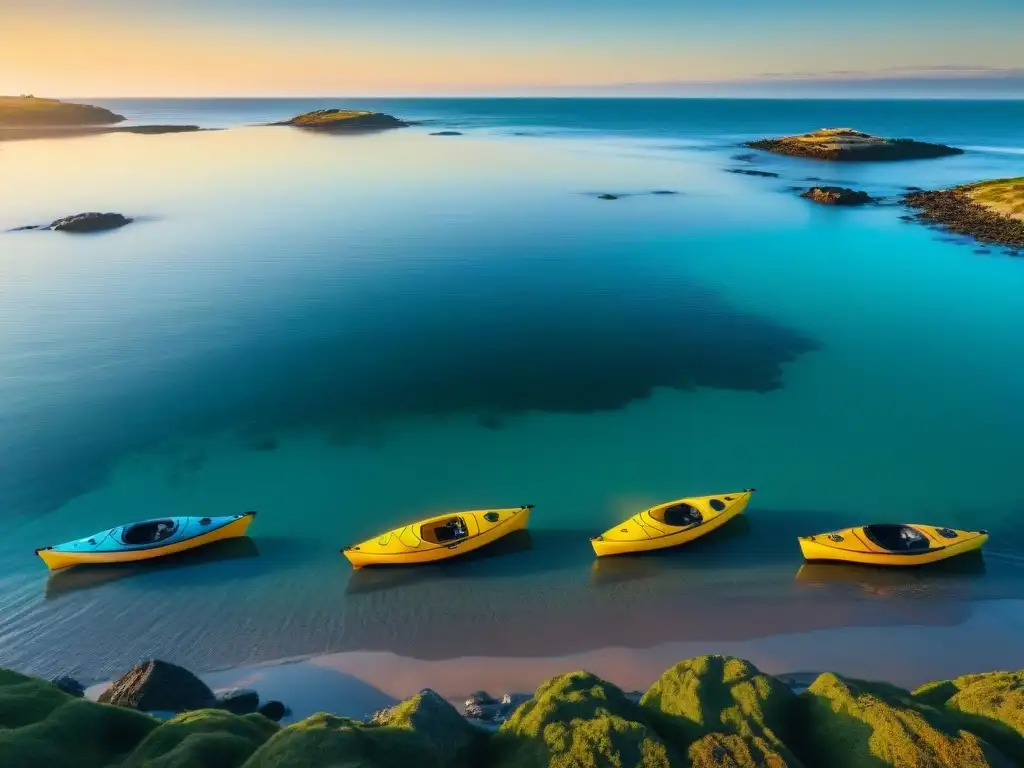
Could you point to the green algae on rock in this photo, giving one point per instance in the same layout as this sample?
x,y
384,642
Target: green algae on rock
x,y
22,111
990,704
848,145
206,738
344,120
326,740
857,724
579,720
708,712
41,727
722,707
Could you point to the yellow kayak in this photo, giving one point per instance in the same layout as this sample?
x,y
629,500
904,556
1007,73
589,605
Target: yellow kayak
x,y
890,544
145,540
438,538
670,524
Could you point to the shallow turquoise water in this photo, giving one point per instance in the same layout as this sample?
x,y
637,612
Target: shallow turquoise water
x,y
348,333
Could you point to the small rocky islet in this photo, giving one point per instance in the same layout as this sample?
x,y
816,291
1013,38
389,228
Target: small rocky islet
x,y
703,712
343,121
841,196
92,221
849,145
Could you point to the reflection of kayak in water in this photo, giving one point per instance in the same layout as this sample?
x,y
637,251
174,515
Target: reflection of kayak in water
x,y
72,579
897,545
145,540
438,538
671,524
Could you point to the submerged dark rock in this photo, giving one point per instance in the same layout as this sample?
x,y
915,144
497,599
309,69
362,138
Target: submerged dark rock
x,y
447,133
837,196
664,192
159,686
238,701
753,172
274,711
607,196
90,222
70,685
745,157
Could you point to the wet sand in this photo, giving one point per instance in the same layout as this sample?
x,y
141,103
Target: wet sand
x,y
355,684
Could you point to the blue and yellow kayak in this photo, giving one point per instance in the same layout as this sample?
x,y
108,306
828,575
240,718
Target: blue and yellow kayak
x,y
145,540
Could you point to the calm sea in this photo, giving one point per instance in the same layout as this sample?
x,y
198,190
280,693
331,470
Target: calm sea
x,y
347,333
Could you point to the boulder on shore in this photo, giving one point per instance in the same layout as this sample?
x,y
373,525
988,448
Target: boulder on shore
x,y
846,144
90,222
344,120
238,701
159,685
837,196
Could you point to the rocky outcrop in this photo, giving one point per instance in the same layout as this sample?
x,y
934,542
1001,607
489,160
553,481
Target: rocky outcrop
x,y
159,686
708,712
846,144
579,720
851,724
725,712
90,222
446,133
837,196
444,731
607,196
988,211
274,710
344,120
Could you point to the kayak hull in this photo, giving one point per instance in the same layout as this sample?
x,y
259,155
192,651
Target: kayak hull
x,y
652,529
106,548
862,545
416,543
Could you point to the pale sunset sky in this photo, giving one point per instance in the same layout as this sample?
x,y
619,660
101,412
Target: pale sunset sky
x,y
77,48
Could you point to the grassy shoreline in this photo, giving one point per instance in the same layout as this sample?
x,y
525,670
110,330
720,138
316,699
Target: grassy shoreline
x,y
989,211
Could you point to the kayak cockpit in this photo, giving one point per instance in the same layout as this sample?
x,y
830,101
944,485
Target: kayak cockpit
x,y
148,532
680,515
444,531
897,538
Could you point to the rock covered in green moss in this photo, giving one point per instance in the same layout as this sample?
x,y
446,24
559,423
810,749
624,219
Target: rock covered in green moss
x,y
717,707
327,741
579,720
853,724
990,704
43,727
445,731
207,738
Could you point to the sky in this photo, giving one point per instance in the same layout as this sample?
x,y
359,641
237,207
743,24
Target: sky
x,y
105,48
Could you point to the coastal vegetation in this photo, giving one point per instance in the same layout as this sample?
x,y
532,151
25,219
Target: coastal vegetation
x,y
990,211
344,120
29,111
848,145
703,712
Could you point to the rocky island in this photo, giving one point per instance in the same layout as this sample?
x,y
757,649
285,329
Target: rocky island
x,y
989,211
344,121
92,221
848,145
837,196
707,712
27,117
